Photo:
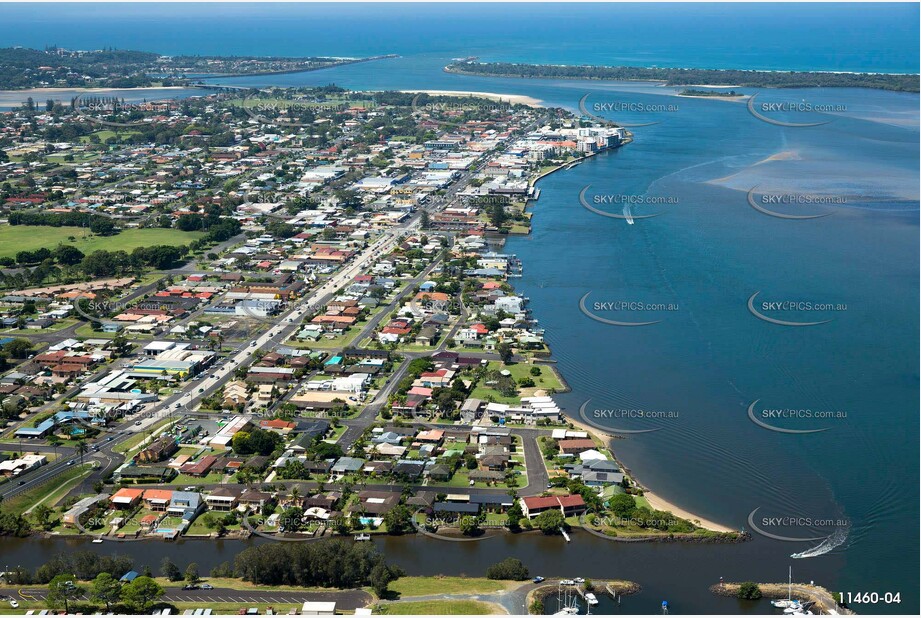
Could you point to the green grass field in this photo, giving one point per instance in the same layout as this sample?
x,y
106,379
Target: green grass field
x,y
15,238
421,585
439,608
545,381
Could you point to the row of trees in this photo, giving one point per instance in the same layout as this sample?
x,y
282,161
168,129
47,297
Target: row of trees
x,y
137,596
68,264
331,563
102,226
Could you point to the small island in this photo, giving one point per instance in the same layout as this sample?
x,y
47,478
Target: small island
x,y
691,92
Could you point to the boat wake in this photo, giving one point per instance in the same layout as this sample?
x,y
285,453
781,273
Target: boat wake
x,y
836,539
627,214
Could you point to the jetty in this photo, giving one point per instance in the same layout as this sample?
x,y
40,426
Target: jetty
x,y
824,600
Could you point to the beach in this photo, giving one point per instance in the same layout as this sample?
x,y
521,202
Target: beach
x,y
738,99
514,99
89,90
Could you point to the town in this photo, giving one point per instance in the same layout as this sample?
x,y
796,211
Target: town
x,y
288,313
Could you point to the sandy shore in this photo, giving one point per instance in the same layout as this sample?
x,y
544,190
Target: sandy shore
x,y
656,501
55,90
514,99
661,504
739,99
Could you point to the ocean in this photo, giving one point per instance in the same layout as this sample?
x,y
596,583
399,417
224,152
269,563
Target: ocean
x,y
701,268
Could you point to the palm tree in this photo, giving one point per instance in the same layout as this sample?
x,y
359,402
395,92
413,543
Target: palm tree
x,y
55,442
82,449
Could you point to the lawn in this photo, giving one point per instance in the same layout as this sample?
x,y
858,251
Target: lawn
x,y
138,438
545,381
107,133
461,479
15,238
185,479
337,433
50,491
420,586
439,608
59,325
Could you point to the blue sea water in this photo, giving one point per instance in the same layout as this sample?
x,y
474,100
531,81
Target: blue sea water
x,y
879,37
706,253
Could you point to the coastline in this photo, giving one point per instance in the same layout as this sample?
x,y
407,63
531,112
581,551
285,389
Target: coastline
x,y
53,90
514,99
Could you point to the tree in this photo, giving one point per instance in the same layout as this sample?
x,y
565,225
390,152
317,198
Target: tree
x,y
191,573
510,568
55,442
380,578
469,526
749,591
18,348
102,226
141,592
512,520
550,521
398,519
67,255
622,505
505,352
106,589
82,449
62,590
42,514
169,570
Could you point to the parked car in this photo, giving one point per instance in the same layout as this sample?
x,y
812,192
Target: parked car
x,y
207,587
14,603
538,579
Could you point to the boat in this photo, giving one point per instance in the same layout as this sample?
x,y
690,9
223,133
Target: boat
x,y
567,603
795,609
788,602
97,540
591,599
362,537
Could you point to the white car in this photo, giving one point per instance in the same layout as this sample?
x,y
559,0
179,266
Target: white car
x,y
14,603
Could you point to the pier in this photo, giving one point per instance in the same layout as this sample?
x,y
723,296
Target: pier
x,y
823,599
